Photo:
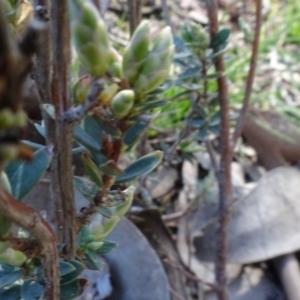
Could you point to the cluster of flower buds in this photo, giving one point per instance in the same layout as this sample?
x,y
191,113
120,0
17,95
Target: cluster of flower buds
x,y
90,37
196,38
146,65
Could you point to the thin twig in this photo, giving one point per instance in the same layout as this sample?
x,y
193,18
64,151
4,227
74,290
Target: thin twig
x,y
134,14
224,175
77,113
212,156
191,276
207,142
62,180
166,13
30,220
186,131
250,78
42,68
175,294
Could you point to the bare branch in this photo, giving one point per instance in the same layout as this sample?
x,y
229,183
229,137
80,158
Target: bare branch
x,y
224,176
62,180
43,67
250,78
134,14
30,220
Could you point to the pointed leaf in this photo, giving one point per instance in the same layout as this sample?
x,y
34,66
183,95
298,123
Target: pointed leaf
x,y
92,127
220,38
32,290
70,290
108,226
85,187
9,277
7,268
110,129
85,139
78,150
105,211
65,268
32,145
24,175
94,246
111,168
123,208
13,293
190,73
99,158
77,270
134,132
203,133
49,109
41,129
92,260
106,247
92,170
140,167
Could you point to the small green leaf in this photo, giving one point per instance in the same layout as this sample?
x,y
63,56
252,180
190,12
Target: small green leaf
x,y
83,237
12,293
215,129
92,127
220,38
94,246
106,247
85,187
32,290
92,260
105,211
92,170
215,119
203,134
49,109
24,175
78,150
40,129
85,139
99,158
111,168
32,145
134,132
8,277
140,167
70,290
111,129
108,226
190,73
123,208
71,276
65,268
